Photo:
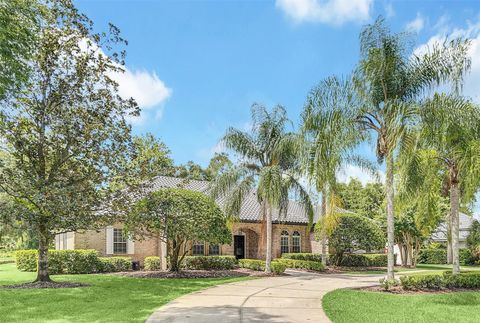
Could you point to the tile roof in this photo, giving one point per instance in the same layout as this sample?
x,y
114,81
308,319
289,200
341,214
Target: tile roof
x,y
250,210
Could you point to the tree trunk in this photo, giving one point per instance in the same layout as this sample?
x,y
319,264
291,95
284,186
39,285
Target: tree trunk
x,y
268,256
454,207
323,233
449,238
390,217
43,241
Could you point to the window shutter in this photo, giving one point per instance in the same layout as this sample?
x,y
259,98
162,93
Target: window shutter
x,y
109,240
130,246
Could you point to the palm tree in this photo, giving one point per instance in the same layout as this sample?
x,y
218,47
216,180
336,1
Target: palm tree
x,y
390,79
450,127
268,163
329,137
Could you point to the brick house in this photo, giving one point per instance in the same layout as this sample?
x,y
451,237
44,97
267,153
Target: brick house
x,y
290,233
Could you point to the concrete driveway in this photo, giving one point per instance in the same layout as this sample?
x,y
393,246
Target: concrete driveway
x,y
296,297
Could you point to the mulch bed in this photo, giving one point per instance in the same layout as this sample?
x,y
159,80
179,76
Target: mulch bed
x,y
400,290
241,272
45,285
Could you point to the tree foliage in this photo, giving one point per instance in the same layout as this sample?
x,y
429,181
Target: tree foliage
x,y
368,200
354,232
65,131
178,216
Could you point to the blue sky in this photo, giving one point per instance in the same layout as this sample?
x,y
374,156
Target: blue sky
x,y
197,66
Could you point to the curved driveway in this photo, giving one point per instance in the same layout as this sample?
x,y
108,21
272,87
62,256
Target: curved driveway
x,y
296,297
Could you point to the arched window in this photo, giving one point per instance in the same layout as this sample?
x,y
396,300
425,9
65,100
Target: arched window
x,y
284,242
296,242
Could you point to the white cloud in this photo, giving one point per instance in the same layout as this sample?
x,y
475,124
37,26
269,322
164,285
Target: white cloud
x,y
146,88
334,12
471,31
417,24
352,171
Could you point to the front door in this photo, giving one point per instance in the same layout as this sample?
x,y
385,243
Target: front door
x,y
239,246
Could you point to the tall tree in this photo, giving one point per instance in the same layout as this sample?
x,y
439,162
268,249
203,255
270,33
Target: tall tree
x,y
219,164
389,79
268,163
66,131
329,137
450,127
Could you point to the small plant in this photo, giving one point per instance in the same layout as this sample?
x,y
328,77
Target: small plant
x,y
387,284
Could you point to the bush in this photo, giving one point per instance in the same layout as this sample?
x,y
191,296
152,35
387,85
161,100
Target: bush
x,y
467,257
210,262
259,265
114,264
26,260
462,280
152,263
432,256
302,264
60,261
364,260
447,280
422,282
303,256
354,232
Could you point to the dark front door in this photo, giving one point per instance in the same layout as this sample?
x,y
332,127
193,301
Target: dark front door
x,y
239,246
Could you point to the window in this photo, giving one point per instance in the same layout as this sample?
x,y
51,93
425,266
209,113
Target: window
x,y
284,242
296,242
198,248
119,241
213,250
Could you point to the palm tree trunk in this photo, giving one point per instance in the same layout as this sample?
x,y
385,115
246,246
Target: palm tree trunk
x,y
323,231
454,206
390,217
449,238
268,256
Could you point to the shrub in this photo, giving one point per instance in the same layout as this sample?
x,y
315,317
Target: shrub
x,y
303,256
302,264
432,256
422,282
467,257
389,283
60,261
364,260
152,263
259,265
469,279
354,232
26,260
114,264
210,262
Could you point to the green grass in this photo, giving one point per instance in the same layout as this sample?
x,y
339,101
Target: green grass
x,y
421,268
109,298
345,306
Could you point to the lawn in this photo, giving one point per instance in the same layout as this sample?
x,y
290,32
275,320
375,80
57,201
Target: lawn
x,y
345,306
109,298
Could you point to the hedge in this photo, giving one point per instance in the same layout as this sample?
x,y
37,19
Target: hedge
x,y
210,262
302,264
439,256
152,263
259,265
114,264
364,260
447,280
432,256
303,256
72,262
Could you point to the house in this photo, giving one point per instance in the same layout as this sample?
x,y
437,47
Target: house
x,y
465,223
291,232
